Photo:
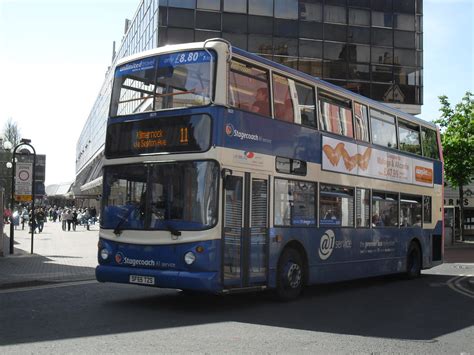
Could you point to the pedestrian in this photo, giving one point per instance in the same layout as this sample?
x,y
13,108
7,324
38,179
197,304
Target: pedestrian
x,y
32,222
74,219
68,218
40,218
93,213
63,218
24,217
16,218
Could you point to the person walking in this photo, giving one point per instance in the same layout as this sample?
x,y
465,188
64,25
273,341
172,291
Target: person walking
x,y
24,217
32,222
40,218
68,218
74,219
63,218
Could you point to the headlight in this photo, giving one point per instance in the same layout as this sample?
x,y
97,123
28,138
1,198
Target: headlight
x,y
104,254
189,258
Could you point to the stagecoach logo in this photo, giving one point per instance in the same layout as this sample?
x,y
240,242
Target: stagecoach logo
x,y
118,258
232,132
326,246
121,259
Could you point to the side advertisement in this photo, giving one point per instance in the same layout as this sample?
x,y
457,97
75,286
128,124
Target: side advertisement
x,y
355,159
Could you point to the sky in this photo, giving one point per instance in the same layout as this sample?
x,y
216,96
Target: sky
x,y
54,55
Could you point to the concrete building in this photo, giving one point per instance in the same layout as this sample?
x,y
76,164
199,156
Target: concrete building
x,y
451,211
372,47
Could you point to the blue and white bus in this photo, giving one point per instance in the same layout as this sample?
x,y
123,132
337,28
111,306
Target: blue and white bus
x,y
227,172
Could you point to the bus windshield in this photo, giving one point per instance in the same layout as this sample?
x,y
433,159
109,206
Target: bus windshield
x,y
174,80
170,196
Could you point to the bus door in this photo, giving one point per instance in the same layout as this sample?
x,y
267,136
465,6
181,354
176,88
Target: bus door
x,y
245,230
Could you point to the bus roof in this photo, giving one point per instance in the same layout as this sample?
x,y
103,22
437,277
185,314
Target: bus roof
x,y
347,93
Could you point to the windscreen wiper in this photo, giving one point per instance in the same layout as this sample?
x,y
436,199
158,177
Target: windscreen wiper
x,y
123,219
172,230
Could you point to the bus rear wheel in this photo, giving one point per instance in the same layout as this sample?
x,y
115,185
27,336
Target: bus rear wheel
x,y
413,262
290,276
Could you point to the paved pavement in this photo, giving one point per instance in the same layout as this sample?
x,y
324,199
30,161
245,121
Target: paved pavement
x,y
61,256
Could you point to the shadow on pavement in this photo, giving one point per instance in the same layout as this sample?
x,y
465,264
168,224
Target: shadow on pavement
x,y
419,310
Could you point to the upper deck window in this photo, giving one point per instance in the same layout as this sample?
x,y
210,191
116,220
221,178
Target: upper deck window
x,y
429,141
282,98
335,115
361,122
248,88
383,129
174,80
409,137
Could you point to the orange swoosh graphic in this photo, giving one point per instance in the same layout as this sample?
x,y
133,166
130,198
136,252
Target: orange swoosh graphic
x,y
350,162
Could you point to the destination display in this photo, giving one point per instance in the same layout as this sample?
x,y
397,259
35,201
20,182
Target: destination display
x,y
159,135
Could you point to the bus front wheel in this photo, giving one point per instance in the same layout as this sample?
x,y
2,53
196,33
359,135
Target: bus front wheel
x,y
413,261
290,275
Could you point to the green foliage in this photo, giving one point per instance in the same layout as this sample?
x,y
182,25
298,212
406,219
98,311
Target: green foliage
x,y
457,138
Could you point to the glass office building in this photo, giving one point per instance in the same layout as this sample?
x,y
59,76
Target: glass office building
x,y
372,47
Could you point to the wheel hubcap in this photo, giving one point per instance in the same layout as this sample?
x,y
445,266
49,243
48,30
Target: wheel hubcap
x,y
293,275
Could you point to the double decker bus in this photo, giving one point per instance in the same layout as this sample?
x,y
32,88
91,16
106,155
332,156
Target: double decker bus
x,y
227,172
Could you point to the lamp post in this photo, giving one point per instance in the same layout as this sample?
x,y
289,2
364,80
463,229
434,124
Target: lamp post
x,y
23,142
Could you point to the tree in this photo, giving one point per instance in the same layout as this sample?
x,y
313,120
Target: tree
x,y
457,138
11,132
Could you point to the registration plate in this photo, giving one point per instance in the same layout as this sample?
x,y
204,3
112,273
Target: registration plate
x,y
142,280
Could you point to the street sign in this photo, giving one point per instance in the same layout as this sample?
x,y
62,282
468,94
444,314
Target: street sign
x,y
23,182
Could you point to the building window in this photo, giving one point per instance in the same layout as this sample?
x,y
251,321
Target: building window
x,y
286,9
404,22
335,115
382,19
383,129
358,35
335,14
384,209
235,6
187,4
208,20
209,4
294,203
336,206
234,23
311,10
261,7
359,17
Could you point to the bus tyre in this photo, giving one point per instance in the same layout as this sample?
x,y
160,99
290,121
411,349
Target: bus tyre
x,y
413,262
290,275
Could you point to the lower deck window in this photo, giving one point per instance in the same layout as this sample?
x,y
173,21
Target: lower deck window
x,y
384,209
336,206
294,203
410,210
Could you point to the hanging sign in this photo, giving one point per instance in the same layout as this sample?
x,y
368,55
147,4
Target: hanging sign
x,y
24,182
